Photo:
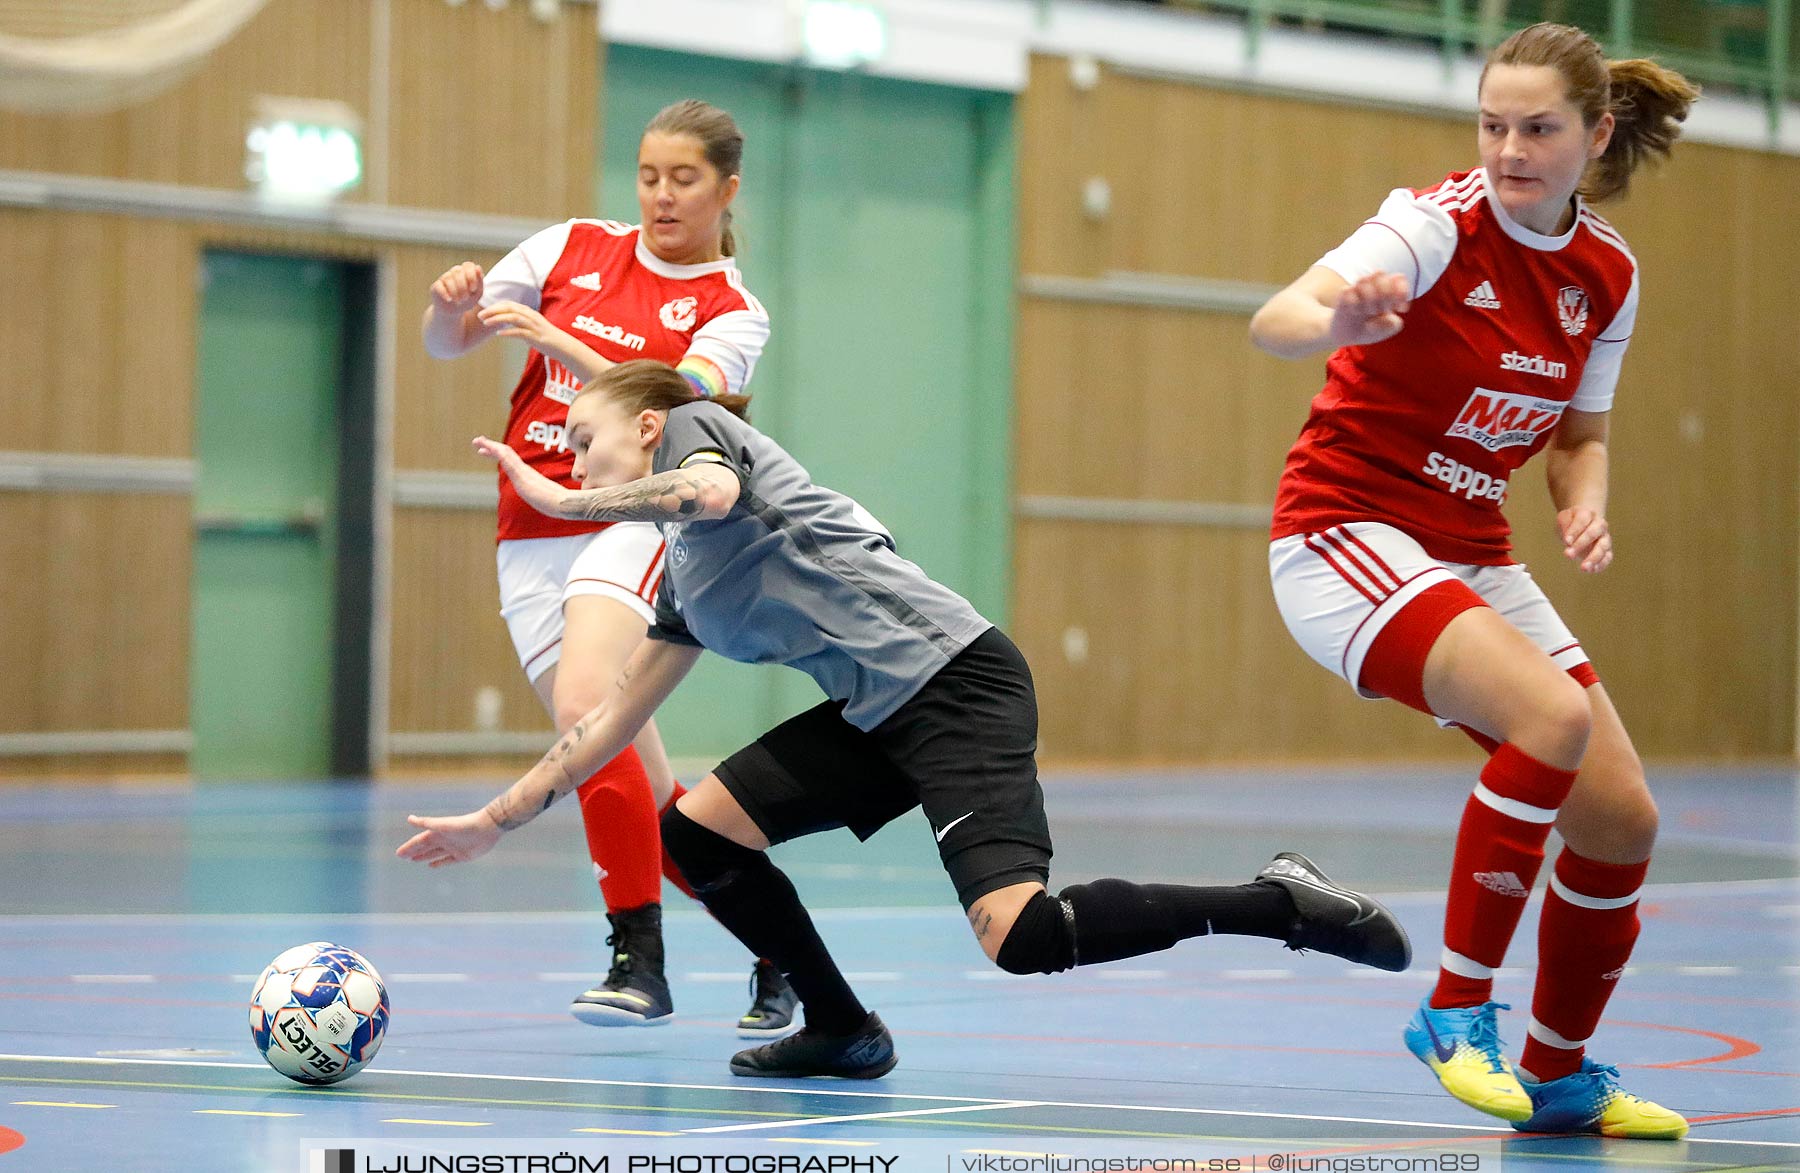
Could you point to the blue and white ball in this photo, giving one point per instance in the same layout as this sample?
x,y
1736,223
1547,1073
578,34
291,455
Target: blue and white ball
x,y
318,1013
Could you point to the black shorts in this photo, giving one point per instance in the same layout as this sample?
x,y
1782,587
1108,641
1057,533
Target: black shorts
x,y
964,748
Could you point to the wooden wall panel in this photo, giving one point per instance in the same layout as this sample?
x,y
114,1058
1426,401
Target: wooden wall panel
x,y
448,638
485,110
440,405
500,109
1162,404
1208,182
1185,657
1694,628
194,132
98,329
95,595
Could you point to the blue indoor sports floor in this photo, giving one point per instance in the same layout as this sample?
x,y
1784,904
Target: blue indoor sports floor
x,y
133,921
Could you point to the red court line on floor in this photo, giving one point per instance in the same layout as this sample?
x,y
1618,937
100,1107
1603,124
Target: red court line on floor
x,y
1743,1115
10,1140
1738,1048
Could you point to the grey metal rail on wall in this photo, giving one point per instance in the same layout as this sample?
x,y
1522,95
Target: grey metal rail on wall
x,y
1461,26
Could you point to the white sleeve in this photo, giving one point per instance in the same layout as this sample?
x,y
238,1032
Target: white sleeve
x,y
520,274
1601,374
1410,236
732,343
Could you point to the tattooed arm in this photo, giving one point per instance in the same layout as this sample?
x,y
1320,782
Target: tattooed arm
x,y
700,492
647,680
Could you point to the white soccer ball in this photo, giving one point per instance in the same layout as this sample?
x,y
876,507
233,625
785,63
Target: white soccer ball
x,y
318,1013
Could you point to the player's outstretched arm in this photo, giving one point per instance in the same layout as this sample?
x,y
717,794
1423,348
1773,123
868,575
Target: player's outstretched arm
x,y
646,681
1321,311
701,492
1575,465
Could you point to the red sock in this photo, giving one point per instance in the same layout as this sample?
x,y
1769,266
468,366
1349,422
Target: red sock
x,y
624,841
669,870
1589,925
1499,848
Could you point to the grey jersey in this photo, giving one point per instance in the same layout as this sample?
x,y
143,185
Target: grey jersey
x,y
797,574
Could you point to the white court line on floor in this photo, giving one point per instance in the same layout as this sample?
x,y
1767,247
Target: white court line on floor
x,y
427,977
832,1093
114,979
1000,1106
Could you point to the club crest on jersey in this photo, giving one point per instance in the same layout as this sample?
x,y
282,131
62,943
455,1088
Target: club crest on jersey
x,y
1572,308
1501,419
679,314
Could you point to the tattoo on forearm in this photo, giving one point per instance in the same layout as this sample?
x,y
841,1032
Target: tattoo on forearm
x,y
669,496
513,810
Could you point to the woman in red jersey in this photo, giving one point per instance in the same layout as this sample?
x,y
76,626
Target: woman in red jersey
x,y
577,596
1472,324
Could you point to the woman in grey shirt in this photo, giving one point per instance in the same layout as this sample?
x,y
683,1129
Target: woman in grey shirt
x,y
929,705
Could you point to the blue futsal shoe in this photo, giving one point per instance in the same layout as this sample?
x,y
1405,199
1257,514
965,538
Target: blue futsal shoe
x,y
1462,1047
1591,1101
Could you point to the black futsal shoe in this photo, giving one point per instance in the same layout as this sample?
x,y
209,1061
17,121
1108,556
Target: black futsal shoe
x,y
772,1005
1336,920
865,1053
635,992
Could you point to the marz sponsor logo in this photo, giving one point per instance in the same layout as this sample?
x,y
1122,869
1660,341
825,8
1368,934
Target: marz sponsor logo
x,y
614,334
1461,480
1533,364
679,314
1572,308
1504,419
554,437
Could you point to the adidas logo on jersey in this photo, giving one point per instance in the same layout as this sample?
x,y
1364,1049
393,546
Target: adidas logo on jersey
x,y
1505,883
1483,297
586,281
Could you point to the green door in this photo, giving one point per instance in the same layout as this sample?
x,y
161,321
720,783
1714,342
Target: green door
x,y
266,443
875,222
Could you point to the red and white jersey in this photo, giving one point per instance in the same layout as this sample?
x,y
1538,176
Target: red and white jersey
x,y
1507,329
596,280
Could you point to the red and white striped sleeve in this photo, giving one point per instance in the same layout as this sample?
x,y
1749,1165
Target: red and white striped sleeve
x,y
1412,235
520,274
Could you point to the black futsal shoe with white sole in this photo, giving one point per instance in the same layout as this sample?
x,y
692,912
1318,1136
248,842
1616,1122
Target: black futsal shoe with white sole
x,y
1335,920
865,1053
635,992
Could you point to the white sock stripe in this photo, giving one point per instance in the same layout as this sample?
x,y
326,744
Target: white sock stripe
x,y
1462,966
1512,808
1598,902
1550,1038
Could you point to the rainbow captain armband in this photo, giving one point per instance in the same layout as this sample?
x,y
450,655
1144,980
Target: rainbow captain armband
x,y
707,379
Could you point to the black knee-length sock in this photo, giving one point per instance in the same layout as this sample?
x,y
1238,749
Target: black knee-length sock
x,y
751,897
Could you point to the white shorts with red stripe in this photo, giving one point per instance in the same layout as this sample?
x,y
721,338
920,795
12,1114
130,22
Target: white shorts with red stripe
x,y
1338,588
538,575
